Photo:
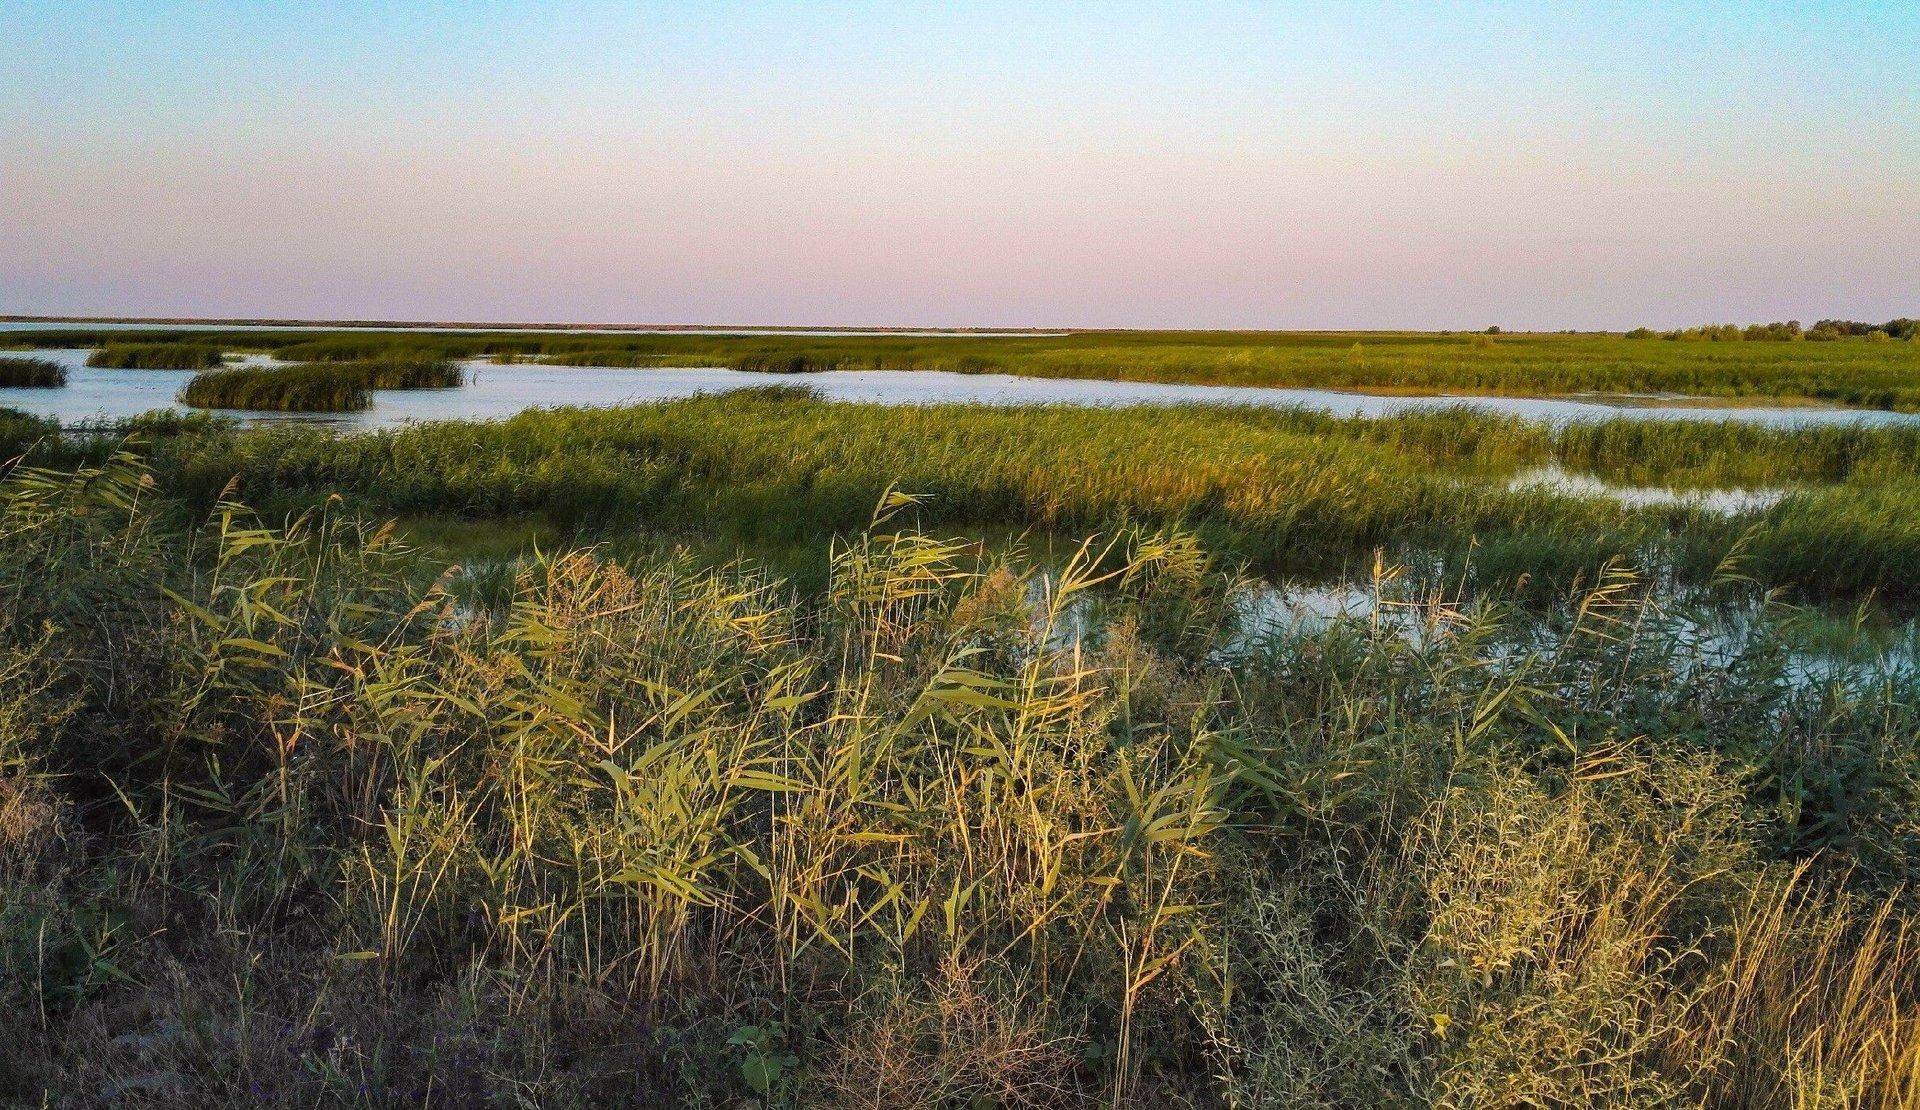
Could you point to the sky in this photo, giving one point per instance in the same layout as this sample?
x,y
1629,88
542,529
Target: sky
x,y
1036,164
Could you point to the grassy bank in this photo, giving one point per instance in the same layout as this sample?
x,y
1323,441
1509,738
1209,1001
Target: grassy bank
x,y
1848,371
31,373
286,826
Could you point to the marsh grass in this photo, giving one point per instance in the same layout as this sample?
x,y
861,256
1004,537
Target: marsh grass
x,y
22,432
31,373
316,387
281,824
282,389
1846,371
1290,491
406,373
157,356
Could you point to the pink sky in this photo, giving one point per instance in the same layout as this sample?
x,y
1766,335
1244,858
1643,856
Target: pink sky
x,y
1052,182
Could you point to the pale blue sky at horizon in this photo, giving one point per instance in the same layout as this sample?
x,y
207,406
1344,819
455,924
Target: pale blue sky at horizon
x,y
1135,165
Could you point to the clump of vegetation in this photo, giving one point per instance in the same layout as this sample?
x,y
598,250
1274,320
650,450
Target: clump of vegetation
x,y
20,432
404,373
288,824
156,356
314,388
31,373
317,386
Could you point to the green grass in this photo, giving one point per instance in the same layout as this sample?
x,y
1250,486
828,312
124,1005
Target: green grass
x,y
1290,491
405,373
316,387
31,373
156,356
282,389
284,823
22,432
1847,371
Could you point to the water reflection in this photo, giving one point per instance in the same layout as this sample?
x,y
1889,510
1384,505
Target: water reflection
x,y
1556,479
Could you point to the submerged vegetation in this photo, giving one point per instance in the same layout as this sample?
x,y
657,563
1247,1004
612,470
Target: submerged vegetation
x,y
31,373
287,823
157,356
316,387
1852,370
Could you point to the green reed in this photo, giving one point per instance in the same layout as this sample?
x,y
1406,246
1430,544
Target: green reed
x,y
287,824
1289,490
31,373
282,389
157,356
316,387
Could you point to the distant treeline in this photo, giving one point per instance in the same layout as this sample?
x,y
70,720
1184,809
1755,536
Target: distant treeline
x,y
1789,331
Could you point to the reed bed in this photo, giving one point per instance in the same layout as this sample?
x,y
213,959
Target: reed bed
x,y
316,387
1291,491
1845,371
286,819
157,356
31,373
281,389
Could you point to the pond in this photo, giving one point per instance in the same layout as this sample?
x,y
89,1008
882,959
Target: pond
x,y
497,391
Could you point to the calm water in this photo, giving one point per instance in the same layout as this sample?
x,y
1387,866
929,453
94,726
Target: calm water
x,y
1556,479
494,392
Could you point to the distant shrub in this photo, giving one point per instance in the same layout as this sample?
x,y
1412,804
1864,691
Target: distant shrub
x,y
31,373
1789,331
156,356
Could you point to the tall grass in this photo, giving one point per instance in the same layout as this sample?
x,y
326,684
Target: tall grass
x,y
282,389
156,356
286,824
408,373
1847,371
316,387
1291,491
31,373
21,432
